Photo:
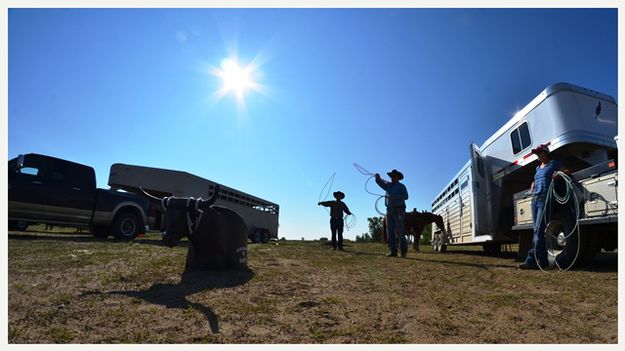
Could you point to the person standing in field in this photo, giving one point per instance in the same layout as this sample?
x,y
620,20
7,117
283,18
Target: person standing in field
x,y
336,218
396,195
537,255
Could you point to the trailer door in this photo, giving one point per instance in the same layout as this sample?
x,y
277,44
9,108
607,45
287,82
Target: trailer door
x,y
481,193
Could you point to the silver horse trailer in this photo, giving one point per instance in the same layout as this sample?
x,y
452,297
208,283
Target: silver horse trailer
x,y
487,202
260,216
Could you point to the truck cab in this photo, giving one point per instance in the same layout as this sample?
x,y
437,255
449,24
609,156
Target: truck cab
x,y
45,189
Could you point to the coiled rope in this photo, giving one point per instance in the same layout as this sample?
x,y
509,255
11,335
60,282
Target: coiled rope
x,y
561,200
363,171
350,221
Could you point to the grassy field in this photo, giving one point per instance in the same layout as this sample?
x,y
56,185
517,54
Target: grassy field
x,y
71,288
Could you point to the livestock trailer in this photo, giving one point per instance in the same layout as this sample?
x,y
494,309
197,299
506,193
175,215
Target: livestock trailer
x,y
260,216
487,202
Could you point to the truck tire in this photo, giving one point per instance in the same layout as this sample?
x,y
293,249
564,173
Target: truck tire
x,y
126,226
265,237
563,246
18,225
100,231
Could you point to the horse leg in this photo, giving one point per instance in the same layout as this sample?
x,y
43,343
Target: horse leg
x,y
417,236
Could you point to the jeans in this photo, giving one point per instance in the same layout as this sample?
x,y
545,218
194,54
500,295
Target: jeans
x,y
539,249
395,223
336,226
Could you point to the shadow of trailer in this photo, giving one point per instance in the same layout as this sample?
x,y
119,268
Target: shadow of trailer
x,y
260,216
486,203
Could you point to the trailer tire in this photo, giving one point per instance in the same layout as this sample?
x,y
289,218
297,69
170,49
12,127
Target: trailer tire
x,y
257,236
591,244
491,248
525,243
100,231
608,240
265,236
126,226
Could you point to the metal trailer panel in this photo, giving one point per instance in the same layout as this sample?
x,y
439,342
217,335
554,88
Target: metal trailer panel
x,y
458,219
177,183
564,102
560,115
601,195
466,226
456,210
460,175
256,212
523,211
451,218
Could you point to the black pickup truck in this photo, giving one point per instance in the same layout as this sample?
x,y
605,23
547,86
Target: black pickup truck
x,y
44,189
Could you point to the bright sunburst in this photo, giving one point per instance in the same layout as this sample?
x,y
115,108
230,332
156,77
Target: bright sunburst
x,y
236,79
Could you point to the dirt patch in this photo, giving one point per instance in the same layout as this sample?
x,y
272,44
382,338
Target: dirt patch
x,y
74,289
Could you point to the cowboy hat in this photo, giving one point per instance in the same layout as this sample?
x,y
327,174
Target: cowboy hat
x,y
395,173
541,148
338,195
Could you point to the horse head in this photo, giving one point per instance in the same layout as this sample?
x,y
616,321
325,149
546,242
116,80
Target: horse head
x,y
181,213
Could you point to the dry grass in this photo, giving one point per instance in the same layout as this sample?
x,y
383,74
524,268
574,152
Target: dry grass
x,y
72,288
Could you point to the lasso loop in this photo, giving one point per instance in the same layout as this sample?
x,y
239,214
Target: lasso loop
x,y
330,182
363,171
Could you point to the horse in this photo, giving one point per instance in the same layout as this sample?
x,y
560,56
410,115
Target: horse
x,y
414,223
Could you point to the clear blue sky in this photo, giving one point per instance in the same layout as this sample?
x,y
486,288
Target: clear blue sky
x,y
386,88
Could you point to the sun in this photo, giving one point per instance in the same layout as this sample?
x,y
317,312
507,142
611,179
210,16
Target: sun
x,y
237,79
234,77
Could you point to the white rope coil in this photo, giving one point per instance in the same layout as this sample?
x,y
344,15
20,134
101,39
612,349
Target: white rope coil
x,y
363,171
561,199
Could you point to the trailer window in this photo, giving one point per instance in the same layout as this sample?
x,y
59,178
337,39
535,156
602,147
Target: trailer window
x,y
520,138
516,142
464,184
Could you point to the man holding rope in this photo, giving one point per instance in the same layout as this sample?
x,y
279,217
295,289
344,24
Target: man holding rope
x,y
545,172
396,195
336,218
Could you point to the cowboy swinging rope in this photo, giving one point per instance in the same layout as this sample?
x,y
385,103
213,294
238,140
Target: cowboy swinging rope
x,y
349,220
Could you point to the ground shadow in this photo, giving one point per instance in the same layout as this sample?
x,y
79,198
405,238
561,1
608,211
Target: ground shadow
x,y
421,258
73,237
175,295
504,254
84,238
604,262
